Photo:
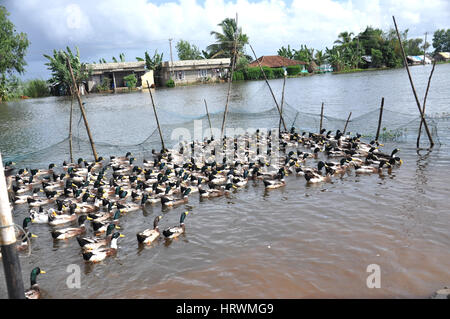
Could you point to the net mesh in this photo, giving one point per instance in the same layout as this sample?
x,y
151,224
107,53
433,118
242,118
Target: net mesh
x,y
396,126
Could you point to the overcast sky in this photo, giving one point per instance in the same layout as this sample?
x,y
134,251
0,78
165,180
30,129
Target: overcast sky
x,y
106,28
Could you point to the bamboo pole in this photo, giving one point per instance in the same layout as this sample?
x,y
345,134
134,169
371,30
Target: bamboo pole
x,y
267,82
412,86
282,99
321,118
11,262
379,119
424,102
233,64
209,120
70,126
156,117
83,113
348,119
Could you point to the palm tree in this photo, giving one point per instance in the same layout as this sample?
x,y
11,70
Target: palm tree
x,y
335,57
287,53
319,58
344,38
225,41
57,64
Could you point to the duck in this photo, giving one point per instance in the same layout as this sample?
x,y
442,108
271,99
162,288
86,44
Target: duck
x,y
69,232
38,201
313,178
275,183
212,192
40,216
24,240
48,171
99,255
170,201
175,231
101,227
25,226
149,235
8,167
92,243
364,169
34,291
55,219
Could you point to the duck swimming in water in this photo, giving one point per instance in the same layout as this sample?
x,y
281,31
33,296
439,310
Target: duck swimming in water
x,y
98,255
151,234
175,231
70,232
34,292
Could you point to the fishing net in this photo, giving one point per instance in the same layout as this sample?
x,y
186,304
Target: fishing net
x,y
177,126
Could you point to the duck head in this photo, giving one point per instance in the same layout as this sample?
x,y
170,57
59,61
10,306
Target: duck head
x,y
26,222
156,221
183,216
34,273
320,165
82,219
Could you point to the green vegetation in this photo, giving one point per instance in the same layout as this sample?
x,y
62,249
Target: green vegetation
x,y
238,76
130,81
382,48
441,40
225,41
293,69
170,83
12,55
105,85
186,51
36,88
60,71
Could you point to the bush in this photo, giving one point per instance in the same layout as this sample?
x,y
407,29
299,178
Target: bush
x,y
293,69
36,88
105,86
278,72
130,80
269,73
170,83
238,76
252,73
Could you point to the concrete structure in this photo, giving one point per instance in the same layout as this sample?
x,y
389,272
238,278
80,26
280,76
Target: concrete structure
x,y
417,59
442,56
116,72
192,71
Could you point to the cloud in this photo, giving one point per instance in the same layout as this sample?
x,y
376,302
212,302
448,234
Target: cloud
x,y
104,28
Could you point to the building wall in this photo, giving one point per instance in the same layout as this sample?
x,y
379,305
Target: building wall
x,y
193,75
148,76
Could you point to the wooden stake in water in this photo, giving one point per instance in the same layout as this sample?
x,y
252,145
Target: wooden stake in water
x,y
233,63
379,119
82,110
321,118
70,126
209,120
412,86
156,116
270,88
282,99
348,119
11,262
424,102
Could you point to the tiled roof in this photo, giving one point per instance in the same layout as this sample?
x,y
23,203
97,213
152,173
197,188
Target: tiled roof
x,y
275,61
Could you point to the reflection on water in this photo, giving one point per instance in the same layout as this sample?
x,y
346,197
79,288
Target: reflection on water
x,y
301,241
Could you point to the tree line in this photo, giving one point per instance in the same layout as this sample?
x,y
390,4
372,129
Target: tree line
x,y
349,51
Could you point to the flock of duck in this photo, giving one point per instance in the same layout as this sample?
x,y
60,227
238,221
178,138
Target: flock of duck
x,y
100,192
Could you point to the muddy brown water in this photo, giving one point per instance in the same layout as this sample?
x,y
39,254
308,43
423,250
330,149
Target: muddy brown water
x,y
296,242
